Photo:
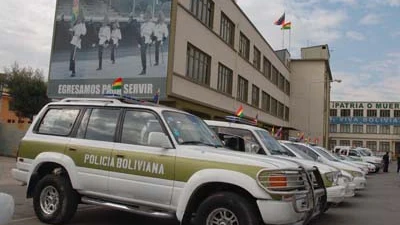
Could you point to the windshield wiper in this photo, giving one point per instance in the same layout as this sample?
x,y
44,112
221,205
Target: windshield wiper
x,y
198,143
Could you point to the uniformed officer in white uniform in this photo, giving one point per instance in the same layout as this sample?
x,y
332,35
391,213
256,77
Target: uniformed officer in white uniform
x,y
146,33
104,39
115,37
161,34
78,31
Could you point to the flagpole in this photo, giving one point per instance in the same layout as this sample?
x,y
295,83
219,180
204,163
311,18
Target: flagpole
x,y
283,38
290,34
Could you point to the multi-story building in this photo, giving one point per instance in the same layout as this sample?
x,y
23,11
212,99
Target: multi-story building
x,y
375,125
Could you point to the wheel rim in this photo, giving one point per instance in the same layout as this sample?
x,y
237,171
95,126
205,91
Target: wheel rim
x,y
49,200
222,216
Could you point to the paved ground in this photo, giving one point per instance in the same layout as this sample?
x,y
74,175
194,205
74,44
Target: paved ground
x,y
378,204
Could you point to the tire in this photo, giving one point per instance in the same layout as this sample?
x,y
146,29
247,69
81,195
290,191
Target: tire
x,y
235,206
61,202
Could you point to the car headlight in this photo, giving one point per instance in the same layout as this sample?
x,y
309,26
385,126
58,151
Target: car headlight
x,y
356,173
331,178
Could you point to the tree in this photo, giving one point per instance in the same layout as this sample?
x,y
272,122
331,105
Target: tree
x,y
27,90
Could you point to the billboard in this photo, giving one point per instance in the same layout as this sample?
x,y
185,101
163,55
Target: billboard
x,y
97,41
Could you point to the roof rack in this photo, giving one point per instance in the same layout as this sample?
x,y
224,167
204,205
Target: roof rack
x,y
236,119
111,98
104,100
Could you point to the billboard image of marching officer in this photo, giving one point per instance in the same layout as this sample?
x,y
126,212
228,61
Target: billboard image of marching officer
x,y
97,41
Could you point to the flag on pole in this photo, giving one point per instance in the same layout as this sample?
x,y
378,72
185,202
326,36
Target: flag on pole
x,y
279,132
273,131
156,98
301,138
281,20
256,119
117,84
75,10
287,26
239,111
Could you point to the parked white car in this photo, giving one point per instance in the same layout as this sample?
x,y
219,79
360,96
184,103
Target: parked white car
x,y
345,179
357,154
6,208
259,141
327,158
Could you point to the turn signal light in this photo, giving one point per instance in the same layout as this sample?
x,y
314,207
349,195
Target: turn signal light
x,y
277,181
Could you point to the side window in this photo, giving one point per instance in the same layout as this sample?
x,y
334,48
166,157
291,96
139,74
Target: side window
x,y
99,124
139,126
58,121
353,153
245,134
233,142
308,151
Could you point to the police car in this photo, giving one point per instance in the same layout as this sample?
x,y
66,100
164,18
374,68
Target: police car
x,y
155,161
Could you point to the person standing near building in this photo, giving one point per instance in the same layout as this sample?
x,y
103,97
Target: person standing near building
x,y
146,33
398,162
78,31
161,34
386,162
115,37
104,38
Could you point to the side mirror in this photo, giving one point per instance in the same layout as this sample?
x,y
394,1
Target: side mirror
x,y
6,209
159,139
254,148
319,159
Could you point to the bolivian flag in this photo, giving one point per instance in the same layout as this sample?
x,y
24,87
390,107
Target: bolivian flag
x,y
287,26
117,84
239,111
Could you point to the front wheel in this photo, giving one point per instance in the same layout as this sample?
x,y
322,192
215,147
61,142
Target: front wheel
x,y
226,208
54,200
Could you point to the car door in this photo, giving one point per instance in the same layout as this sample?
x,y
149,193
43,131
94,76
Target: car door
x,y
92,146
144,170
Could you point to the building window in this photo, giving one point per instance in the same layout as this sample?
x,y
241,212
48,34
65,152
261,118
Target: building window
x,y
332,128
242,89
287,113
345,112
281,108
396,113
281,82
384,113
244,46
203,10
371,129
274,106
396,130
267,68
255,96
371,145
384,129
257,58
345,128
265,102
225,76
332,144
274,77
358,129
357,143
333,112
358,112
371,113
198,65
227,30
384,146
287,87
344,142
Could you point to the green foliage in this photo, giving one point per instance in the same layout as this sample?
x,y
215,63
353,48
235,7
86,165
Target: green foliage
x,y
27,90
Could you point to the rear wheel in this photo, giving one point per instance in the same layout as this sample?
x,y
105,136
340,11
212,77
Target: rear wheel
x,y
226,208
54,200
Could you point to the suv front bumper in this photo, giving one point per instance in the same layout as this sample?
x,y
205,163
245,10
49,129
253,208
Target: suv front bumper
x,y
336,194
279,212
360,183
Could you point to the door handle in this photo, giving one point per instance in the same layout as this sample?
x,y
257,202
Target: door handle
x,y
72,149
120,156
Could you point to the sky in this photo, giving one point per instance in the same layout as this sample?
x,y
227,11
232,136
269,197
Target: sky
x,y
362,36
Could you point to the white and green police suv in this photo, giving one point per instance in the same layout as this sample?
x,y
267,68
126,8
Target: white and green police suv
x,y
152,160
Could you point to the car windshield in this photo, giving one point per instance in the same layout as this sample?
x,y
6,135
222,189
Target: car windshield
x,y
299,152
325,154
271,143
363,152
188,129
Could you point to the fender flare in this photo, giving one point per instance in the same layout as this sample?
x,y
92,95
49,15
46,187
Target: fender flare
x,y
59,158
217,176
